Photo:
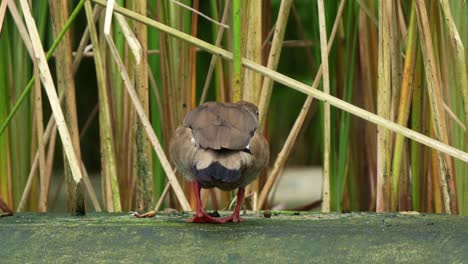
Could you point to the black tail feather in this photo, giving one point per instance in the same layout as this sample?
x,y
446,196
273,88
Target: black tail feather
x,y
215,173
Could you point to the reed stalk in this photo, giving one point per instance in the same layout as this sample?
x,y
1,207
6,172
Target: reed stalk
x,y
108,171
143,161
368,50
5,173
342,163
43,197
236,87
416,150
326,106
383,105
252,82
192,71
156,103
40,12
404,107
66,85
193,56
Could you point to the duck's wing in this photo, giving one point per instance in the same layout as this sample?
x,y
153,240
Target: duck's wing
x,y
253,164
183,151
221,126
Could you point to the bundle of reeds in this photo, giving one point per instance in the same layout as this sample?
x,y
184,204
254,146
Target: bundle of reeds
x,y
400,66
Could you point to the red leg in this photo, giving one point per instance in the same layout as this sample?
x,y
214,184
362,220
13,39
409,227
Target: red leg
x,y
235,217
201,216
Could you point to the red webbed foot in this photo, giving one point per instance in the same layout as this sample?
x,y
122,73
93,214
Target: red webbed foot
x,y
233,218
204,218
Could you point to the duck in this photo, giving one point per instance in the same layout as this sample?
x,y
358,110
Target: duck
x,y
219,145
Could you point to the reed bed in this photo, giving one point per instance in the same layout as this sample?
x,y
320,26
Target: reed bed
x,y
377,96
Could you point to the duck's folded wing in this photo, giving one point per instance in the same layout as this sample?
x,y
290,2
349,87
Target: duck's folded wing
x,y
183,151
257,160
218,125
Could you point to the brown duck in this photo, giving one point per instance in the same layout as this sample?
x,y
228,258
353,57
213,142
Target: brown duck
x,y
218,145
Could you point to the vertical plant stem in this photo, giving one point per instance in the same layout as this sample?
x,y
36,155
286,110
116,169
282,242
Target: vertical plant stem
x,y
66,85
435,176
404,108
5,173
368,40
383,105
21,129
192,89
167,85
44,194
252,82
120,122
236,88
143,150
326,89
193,58
416,150
156,103
339,192
105,127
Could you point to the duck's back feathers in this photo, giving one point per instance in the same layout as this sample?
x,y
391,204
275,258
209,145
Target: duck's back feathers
x,y
222,125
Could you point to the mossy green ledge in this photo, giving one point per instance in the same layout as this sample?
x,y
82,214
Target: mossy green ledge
x,y
283,238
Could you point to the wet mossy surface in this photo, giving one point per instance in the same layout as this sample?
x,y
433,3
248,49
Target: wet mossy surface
x,y
283,238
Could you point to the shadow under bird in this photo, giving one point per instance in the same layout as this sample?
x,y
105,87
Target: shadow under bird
x,y
218,145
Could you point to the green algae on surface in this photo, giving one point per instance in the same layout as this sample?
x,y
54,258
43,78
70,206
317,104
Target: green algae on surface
x,y
283,238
